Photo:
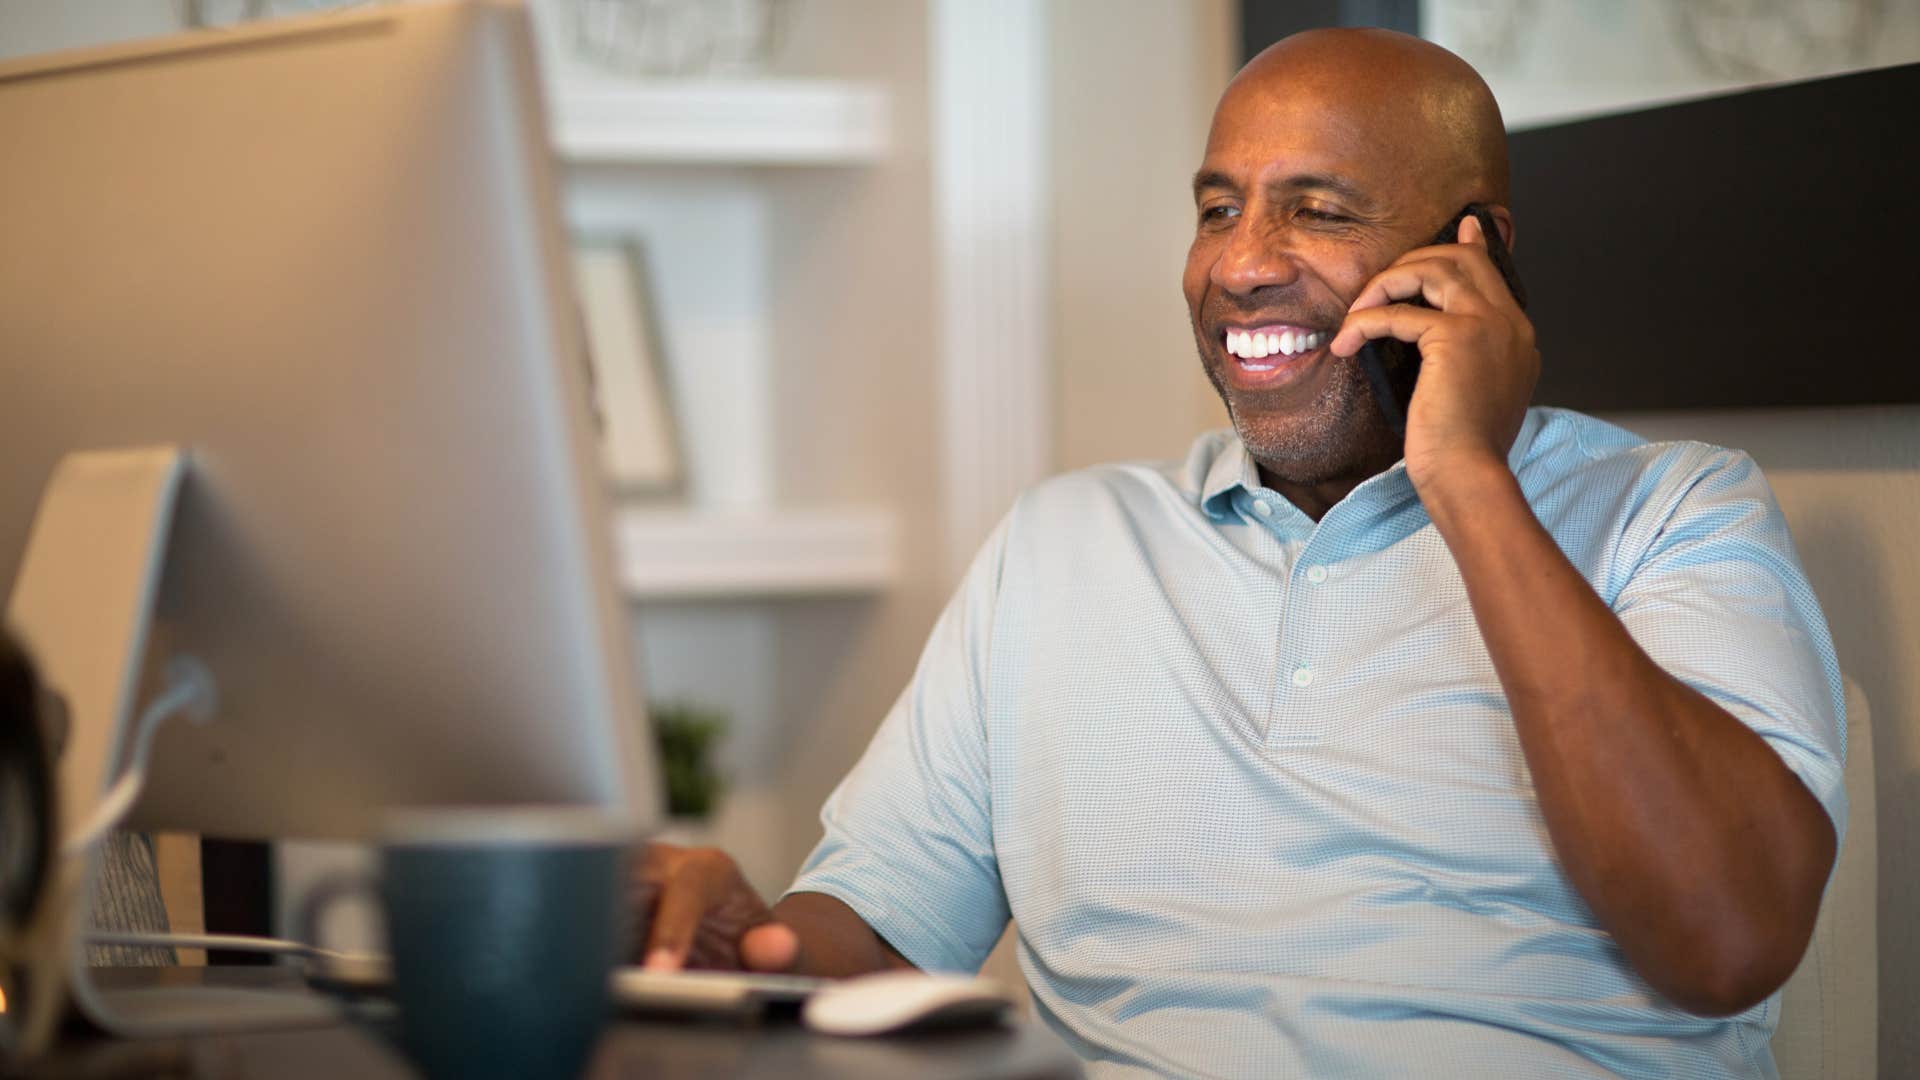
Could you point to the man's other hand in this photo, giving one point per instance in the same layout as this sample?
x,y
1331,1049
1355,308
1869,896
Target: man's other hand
x,y
701,913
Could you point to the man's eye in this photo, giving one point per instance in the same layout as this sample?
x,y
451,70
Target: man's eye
x,y
1215,214
1321,216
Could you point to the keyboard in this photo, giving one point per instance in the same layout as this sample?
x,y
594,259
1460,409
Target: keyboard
x,y
720,992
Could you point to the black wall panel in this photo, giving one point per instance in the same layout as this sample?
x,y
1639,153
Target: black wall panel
x,y
1761,249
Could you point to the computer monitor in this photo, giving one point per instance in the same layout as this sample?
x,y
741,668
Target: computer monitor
x,y
323,257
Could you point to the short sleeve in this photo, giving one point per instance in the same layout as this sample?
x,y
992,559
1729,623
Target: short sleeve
x,y
1720,601
909,832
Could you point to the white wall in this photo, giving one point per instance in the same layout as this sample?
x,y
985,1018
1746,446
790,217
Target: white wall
x,y
832,267
37,26
1133,89
856,410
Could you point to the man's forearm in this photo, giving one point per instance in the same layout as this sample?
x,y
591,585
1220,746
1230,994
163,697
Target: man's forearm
x,y
1693,843
834,941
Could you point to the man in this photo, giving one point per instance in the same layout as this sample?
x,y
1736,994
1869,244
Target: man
x,y
1509,749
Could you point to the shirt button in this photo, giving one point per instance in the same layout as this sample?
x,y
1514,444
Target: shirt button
x,y
1263,508
1303,676
1316,574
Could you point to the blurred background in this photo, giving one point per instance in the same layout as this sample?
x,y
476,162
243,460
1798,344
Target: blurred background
x,y
879,264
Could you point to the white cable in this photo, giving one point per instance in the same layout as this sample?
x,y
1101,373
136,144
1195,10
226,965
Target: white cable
x,y
235,942
190,689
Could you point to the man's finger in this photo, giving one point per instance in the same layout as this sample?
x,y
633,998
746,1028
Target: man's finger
x,y
1403,321
1469,259
1438,279
1471,232
683,903
770,946
1476,259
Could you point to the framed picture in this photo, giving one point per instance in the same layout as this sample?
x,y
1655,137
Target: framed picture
x,y
638,437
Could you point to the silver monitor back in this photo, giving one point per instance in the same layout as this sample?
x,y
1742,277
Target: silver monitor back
x,y
324,256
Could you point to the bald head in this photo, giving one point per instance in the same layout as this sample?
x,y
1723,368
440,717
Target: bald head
x,y
1331,154
1427,103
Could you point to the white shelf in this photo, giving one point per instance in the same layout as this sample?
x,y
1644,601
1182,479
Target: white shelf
x,y
686,554
720,122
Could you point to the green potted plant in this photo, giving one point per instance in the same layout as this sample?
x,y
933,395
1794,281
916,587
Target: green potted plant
x,y
687,735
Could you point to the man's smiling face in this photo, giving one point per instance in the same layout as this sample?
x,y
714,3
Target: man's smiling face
x,y
1330,155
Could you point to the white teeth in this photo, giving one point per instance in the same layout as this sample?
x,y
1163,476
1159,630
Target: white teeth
x,y
1254,345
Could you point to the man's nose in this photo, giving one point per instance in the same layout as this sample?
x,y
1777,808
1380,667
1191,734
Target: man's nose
x,y
1256,256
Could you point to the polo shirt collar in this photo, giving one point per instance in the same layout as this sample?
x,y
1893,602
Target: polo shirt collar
x,y
1232,470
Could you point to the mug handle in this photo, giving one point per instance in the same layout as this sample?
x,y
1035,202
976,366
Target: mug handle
x,y
345,971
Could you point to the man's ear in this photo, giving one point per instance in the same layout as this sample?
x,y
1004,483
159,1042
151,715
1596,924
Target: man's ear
x,y
1503,219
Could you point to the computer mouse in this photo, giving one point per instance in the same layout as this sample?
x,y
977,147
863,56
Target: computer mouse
x,y
899,1000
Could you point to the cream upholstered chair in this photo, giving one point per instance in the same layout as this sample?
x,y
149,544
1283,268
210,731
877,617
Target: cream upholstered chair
x,y
1829,1011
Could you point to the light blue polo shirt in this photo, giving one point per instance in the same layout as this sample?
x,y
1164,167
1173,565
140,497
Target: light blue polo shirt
x,y
1250,788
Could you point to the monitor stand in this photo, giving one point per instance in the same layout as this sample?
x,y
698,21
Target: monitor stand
x,y
82,605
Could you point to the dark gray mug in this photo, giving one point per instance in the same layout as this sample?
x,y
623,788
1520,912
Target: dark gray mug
x,y
504,925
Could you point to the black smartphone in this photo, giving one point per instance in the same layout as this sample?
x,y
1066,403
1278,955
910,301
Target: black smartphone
x,y
1392,365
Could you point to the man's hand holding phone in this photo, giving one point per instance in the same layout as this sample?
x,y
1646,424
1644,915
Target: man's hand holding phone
x,y
1478,363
